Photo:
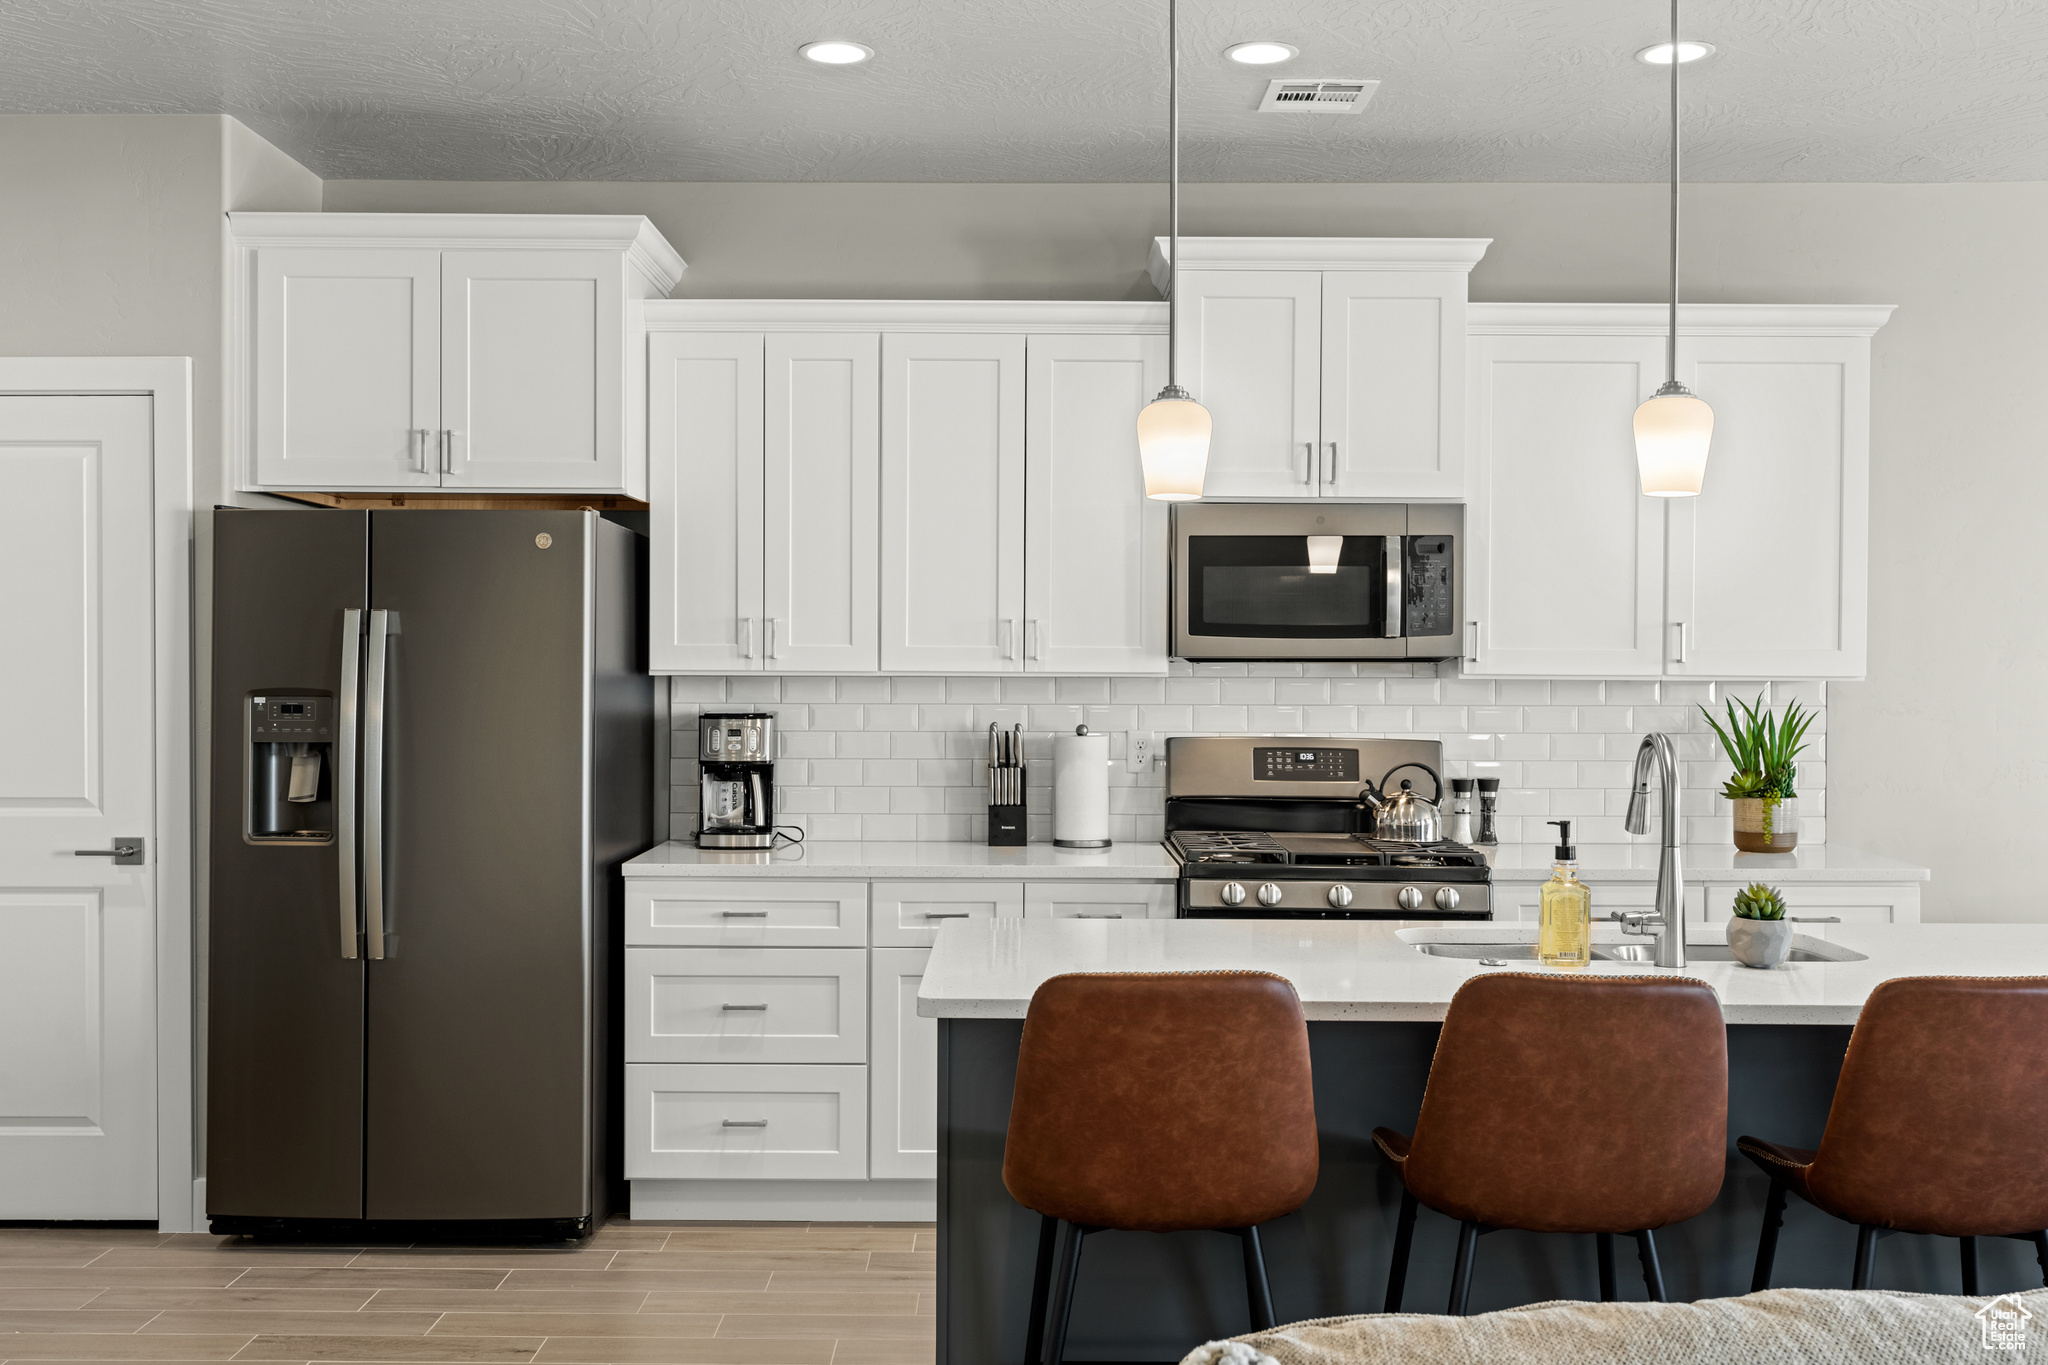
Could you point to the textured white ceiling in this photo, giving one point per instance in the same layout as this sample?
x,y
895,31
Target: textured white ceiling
x,y
1057,90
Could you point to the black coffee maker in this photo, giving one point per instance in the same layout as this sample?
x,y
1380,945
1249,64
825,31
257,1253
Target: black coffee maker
x,y
737,751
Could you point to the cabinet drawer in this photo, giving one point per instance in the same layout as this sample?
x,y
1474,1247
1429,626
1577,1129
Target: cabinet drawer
x,y
774,914
1098,900
908,914
745,1122
1876,903
1524,900
746,1005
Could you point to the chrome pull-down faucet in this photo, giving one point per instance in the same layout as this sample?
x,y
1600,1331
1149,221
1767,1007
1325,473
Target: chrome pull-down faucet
x,y
1669,916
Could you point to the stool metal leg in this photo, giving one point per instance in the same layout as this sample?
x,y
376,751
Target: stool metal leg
x,y
2040,1241
1256,1288
1041,1288
1969,1247
1866,1253
1065,1273
1404,1241
1767,1243
1461,1273
1604,1242
1653,1274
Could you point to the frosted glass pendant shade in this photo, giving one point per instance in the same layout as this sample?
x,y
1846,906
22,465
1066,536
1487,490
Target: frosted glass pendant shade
x,y
1673,431
1173,447
1324,552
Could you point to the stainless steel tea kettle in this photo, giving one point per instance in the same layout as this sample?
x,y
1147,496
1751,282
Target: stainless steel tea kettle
x,y
1404,817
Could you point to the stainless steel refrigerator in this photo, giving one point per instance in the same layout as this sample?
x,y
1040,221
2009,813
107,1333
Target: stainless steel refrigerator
x,y
432,747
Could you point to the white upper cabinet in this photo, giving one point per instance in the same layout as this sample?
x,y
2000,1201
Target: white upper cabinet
x,y
952,502
1334,367
1570,571
1095,559
482,352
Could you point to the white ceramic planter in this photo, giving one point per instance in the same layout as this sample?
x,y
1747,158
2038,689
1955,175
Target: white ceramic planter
x,y
1759,942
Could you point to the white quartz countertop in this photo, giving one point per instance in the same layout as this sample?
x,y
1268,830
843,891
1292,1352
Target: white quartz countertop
x,y
1370,971
1706,863
1139,862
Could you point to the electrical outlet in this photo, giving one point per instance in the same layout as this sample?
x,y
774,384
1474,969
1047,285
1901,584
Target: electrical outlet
x,y
1138,750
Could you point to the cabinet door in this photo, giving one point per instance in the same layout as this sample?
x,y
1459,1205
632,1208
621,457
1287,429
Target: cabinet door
x,y
822,480
347,367
704,487
1769,564
1564,564
532,351
1250,352
952,503
904,1073
1095,554
1393,384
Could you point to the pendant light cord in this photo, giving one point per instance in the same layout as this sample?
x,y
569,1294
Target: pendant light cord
x,y
1173,195
1671,333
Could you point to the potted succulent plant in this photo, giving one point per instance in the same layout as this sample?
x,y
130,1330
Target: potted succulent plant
x,y
1759,935
1763,787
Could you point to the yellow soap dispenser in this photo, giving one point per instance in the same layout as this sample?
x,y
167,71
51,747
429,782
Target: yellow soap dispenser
x,y
1564,934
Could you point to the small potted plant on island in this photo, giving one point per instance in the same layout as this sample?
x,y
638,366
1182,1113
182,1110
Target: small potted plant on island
x,y
1759,935
1763,790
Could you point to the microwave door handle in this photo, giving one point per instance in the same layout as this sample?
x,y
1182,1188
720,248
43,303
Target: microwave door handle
x,y
1395,565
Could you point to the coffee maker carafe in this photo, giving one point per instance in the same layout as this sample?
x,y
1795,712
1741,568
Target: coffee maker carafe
x,y
737,751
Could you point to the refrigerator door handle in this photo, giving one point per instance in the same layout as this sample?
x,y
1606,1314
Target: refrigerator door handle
x,y
345,773
373,785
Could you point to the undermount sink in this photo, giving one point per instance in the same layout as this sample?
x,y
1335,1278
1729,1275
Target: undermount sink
x,y
1804,949
1524,952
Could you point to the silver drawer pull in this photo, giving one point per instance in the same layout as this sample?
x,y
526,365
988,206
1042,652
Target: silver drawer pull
x,y
743,1007
746,1123
1815,919
744,914
1080,914
947,914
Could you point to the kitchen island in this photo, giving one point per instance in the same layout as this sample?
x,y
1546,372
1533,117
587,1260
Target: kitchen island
x,y
1375,999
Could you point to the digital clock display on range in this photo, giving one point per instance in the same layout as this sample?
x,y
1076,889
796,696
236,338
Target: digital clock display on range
x,y
1305,765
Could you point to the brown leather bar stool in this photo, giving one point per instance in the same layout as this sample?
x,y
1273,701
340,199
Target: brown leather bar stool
x,y
1158,1102
1567,1104
1939,1123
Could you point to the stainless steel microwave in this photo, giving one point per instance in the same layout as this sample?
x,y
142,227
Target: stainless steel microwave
x,y
1317,580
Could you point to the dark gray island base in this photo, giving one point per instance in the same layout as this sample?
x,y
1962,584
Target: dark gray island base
x,y
1149,1298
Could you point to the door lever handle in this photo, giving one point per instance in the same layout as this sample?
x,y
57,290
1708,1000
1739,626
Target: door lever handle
x,y
126,852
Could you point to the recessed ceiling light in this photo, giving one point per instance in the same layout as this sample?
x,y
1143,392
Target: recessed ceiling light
x,y
1659,54
1261,53
836,52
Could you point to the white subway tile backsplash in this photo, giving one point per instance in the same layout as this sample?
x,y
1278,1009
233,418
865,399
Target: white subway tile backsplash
x,y
903,758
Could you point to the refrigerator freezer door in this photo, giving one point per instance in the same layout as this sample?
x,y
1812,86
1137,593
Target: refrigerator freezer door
x,y
284,1129
479,1015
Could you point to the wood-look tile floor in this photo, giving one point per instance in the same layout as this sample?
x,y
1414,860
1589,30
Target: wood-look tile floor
x,y
635,1294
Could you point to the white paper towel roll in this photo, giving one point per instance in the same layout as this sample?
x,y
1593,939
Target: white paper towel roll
x,y
1080,790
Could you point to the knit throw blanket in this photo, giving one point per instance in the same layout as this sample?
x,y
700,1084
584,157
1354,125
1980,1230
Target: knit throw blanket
x,y
1777,1327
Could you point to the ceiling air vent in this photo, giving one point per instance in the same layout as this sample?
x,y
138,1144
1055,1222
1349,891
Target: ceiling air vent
x,y
1319,97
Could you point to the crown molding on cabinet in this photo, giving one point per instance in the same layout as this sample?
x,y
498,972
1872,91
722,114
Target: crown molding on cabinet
x,y
1317,253
903,315
643,243
1694,319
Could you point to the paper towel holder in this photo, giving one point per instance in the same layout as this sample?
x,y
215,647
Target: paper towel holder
x,y
1068,768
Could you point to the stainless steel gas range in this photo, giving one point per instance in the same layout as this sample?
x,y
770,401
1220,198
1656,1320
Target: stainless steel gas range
x,y
1275,828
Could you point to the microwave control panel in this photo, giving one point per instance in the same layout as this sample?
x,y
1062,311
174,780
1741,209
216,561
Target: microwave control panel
x,y
1427,587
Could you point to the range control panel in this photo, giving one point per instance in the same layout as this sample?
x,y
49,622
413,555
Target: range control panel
x,y
1426,583
1305,765
305,719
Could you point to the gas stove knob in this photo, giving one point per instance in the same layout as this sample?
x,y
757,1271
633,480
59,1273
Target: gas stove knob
x,y
1410,898
1233,893
1339,897
1269,894
1446,898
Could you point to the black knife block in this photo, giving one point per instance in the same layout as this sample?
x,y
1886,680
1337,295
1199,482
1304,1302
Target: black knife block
x,y
1006,827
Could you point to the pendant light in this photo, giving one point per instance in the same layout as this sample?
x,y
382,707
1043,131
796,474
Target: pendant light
x,y
1674,428
1173,429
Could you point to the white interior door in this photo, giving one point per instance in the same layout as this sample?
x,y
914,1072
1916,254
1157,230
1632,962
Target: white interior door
x,y
952,503
1393,384
1250,352
1564,570
1095,547
820,578
77,766
704,491
531,344
348,367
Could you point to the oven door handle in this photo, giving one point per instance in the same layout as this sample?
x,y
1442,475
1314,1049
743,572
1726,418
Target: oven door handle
x,y
1395,567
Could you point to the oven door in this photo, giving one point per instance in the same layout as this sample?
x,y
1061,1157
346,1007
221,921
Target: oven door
x,y
1285,581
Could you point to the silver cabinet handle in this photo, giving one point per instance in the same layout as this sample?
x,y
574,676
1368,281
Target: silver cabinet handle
x,y
1679,626
744,914
1009,637
1396,567
746,637
1472,641
373,785
1330,478
1308,463
1081,914
947,914
1034,636
126,852
1814,919
771,650
416,448
448,436
345,774
743,1007
746,1123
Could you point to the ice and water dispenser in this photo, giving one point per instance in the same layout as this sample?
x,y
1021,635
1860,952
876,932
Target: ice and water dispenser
x,y
289,768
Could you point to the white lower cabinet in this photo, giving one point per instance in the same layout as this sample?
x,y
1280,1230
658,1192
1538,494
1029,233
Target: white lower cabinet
x,y
1855,903
1524,900
909,914
903,1076
747,1004
742,914
1098,900
746,1122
